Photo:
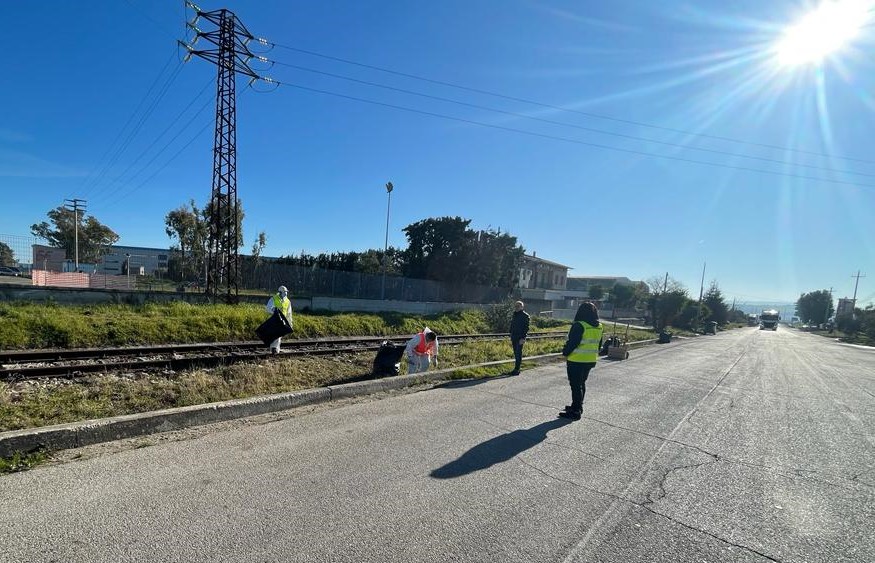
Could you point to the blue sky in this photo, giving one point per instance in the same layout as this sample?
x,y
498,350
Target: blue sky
x,y
687,95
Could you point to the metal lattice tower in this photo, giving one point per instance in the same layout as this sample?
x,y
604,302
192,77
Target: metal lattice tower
x,y
231,55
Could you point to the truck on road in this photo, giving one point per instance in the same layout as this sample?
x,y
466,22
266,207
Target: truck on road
x,y
769,319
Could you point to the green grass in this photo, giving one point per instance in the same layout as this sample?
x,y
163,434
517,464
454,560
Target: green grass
x,y
21,462
31,325
30,405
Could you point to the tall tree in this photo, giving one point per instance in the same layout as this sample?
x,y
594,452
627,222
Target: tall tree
x,y
7,257
596,291
716,305
187,225
623,296
207,215
815,307
60,232
446,249
258,247
439,249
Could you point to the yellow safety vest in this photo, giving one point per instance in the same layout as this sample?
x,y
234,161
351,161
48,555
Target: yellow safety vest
x,y
587,351
283,304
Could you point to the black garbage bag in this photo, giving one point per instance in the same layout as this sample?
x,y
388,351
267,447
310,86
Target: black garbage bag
x,y
274,327
388,360
608,342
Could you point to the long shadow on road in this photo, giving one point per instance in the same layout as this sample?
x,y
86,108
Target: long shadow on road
x,y
498,449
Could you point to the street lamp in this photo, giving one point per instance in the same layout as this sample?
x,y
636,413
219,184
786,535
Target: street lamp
x,y
128,268
389,188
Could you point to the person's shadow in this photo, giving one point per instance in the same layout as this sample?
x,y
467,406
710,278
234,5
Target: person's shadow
x,y
498,449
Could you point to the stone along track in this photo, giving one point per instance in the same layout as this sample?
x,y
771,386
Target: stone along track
x,y
74,362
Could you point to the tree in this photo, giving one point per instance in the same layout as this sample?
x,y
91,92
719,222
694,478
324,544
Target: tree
x,y
207,216
7,258
815,307
596,291
94,237
666,298
665,307
689,316
658,284
623,296
713,300
186,226
258,247
446,249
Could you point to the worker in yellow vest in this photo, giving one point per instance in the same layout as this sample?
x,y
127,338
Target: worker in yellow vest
x,y
581,353
280,302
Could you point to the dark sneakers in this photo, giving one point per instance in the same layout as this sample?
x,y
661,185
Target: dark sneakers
x,y
572,415
514,372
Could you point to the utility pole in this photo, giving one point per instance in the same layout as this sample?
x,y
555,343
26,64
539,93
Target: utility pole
x,y
75,205
231,56
389,188
856,283
701,294
828,305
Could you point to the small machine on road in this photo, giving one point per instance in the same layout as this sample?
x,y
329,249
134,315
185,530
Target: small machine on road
x,y
619,349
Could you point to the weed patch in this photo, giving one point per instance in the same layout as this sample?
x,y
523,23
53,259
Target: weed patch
x,y
21,462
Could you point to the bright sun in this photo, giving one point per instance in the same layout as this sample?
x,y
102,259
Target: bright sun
x,y
825,30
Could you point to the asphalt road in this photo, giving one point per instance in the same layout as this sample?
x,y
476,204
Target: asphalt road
x,y
745,446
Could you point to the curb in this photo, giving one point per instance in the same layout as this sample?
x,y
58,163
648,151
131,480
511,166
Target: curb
x,y
89,432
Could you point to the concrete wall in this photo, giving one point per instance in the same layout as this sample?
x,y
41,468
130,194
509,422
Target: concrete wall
x,y
376,305
81,296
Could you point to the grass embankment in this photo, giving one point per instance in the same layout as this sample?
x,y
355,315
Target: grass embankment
x,y
34,404
45,326
29,404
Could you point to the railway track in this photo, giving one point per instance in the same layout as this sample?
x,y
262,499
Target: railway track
x,y
75,362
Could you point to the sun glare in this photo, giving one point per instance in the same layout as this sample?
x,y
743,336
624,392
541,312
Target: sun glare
x,y
822,32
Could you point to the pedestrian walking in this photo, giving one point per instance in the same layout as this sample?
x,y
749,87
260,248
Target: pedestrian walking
x,y
421,351
519,329
581,353
280,302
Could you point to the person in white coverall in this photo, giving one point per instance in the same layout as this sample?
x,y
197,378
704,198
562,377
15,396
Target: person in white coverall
x,y
281,302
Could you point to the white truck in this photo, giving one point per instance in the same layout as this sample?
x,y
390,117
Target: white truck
x,y
769,319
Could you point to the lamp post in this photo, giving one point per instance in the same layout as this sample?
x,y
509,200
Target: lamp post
x,y
389,188
128,268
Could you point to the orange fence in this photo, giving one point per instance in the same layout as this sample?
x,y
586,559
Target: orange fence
x,y
79,280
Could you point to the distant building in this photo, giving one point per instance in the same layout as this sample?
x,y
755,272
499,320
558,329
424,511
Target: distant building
x,y
583,283
48,258
141,260
537,273
845,307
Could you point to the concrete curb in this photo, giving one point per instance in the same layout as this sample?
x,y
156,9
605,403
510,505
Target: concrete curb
x,y
78,434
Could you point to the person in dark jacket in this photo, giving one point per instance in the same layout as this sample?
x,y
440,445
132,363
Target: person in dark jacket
x,y
519,329
581,354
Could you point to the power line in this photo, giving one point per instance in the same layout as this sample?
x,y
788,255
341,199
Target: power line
x,y
565,124
566,139
126,143
200,132
112,145
145,151
159,153
559,108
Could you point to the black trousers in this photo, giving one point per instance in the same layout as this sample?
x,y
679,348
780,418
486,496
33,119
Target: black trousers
x,y
577,374
517,352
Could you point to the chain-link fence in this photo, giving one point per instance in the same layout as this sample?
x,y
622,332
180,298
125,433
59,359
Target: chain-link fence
x,y
303,281
21,248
